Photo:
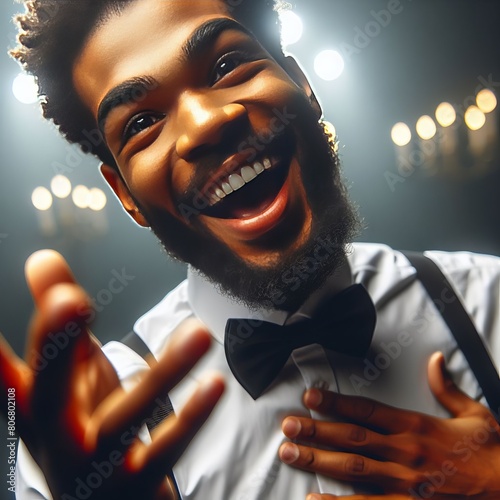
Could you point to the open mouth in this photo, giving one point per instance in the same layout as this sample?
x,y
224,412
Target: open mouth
x,y
249,191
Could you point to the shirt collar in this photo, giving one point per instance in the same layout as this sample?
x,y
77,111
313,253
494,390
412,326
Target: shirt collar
x,y
214,308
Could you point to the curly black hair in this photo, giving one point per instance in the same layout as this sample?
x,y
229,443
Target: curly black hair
x,y
52,34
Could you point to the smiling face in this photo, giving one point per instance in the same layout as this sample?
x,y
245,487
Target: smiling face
x,y
218,146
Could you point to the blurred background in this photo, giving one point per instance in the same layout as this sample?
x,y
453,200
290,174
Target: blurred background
x,y
410,87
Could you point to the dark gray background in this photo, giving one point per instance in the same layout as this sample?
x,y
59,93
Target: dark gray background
x,y
433,51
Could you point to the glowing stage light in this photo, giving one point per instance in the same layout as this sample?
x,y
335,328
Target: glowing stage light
x,y
98,199
291,27
81,196
25,88
486,101
446,114
474,118
401,134
426,128
329,65
60,186
41,199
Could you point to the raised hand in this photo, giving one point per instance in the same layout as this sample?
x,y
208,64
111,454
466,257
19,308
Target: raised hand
x,y
404,454
70,409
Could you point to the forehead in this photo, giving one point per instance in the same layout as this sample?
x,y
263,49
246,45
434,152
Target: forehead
x,y
145,35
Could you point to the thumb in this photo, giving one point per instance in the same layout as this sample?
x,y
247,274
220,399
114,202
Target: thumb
x,y
444,389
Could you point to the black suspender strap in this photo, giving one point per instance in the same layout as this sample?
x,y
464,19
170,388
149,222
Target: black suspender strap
x,y
163,406
462,327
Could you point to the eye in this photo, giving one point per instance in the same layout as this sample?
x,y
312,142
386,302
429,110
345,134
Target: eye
x,y
225,65
139,123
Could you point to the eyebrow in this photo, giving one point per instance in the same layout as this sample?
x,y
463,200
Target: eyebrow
x,y
194,47
134,89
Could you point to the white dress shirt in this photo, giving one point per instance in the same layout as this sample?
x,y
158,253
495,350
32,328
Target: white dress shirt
x,y
234,456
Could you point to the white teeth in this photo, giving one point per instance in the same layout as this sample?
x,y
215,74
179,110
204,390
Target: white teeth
x,y
236,181
248,174
220,193
227,188
258,167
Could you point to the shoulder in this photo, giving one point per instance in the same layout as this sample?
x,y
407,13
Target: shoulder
x,y
154,328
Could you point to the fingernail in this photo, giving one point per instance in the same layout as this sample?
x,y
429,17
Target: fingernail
x,y
313,398
289,453
313,497
291,427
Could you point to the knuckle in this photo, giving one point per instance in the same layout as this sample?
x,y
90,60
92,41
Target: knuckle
x,y
417,424
357,435
363,408
356,465
416,453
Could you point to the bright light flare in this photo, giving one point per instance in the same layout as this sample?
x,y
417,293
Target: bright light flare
x,y
329,65
446,114
41,199
81,196
291,27
474,118
426,128
401,134
25,89
486,101
60,186
97,199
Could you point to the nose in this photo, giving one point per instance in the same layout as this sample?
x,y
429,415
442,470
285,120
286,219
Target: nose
x,y
204,123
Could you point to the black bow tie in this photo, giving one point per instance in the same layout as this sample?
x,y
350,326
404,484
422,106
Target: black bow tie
x,y
256,351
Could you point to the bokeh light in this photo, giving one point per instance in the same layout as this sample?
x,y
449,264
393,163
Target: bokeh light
x,y
329,65
291,27
25,88
41,198
426,128
97,199
446,114
474,118
60,186
81,196
401,134
486,101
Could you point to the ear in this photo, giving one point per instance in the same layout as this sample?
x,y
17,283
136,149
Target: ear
x,y
292,67
119,187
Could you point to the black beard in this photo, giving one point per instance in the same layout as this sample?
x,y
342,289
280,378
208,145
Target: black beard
x,y
289,283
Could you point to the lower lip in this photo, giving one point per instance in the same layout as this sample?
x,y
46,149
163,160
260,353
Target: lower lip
x,y
254,227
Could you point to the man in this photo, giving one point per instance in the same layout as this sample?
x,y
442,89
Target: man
x,y
211,137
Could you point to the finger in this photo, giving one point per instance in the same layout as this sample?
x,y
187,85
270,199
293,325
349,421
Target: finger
x,y
14,374
364,411
46,268
57,329
345,437
123,411
348,466
445,390
172,437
